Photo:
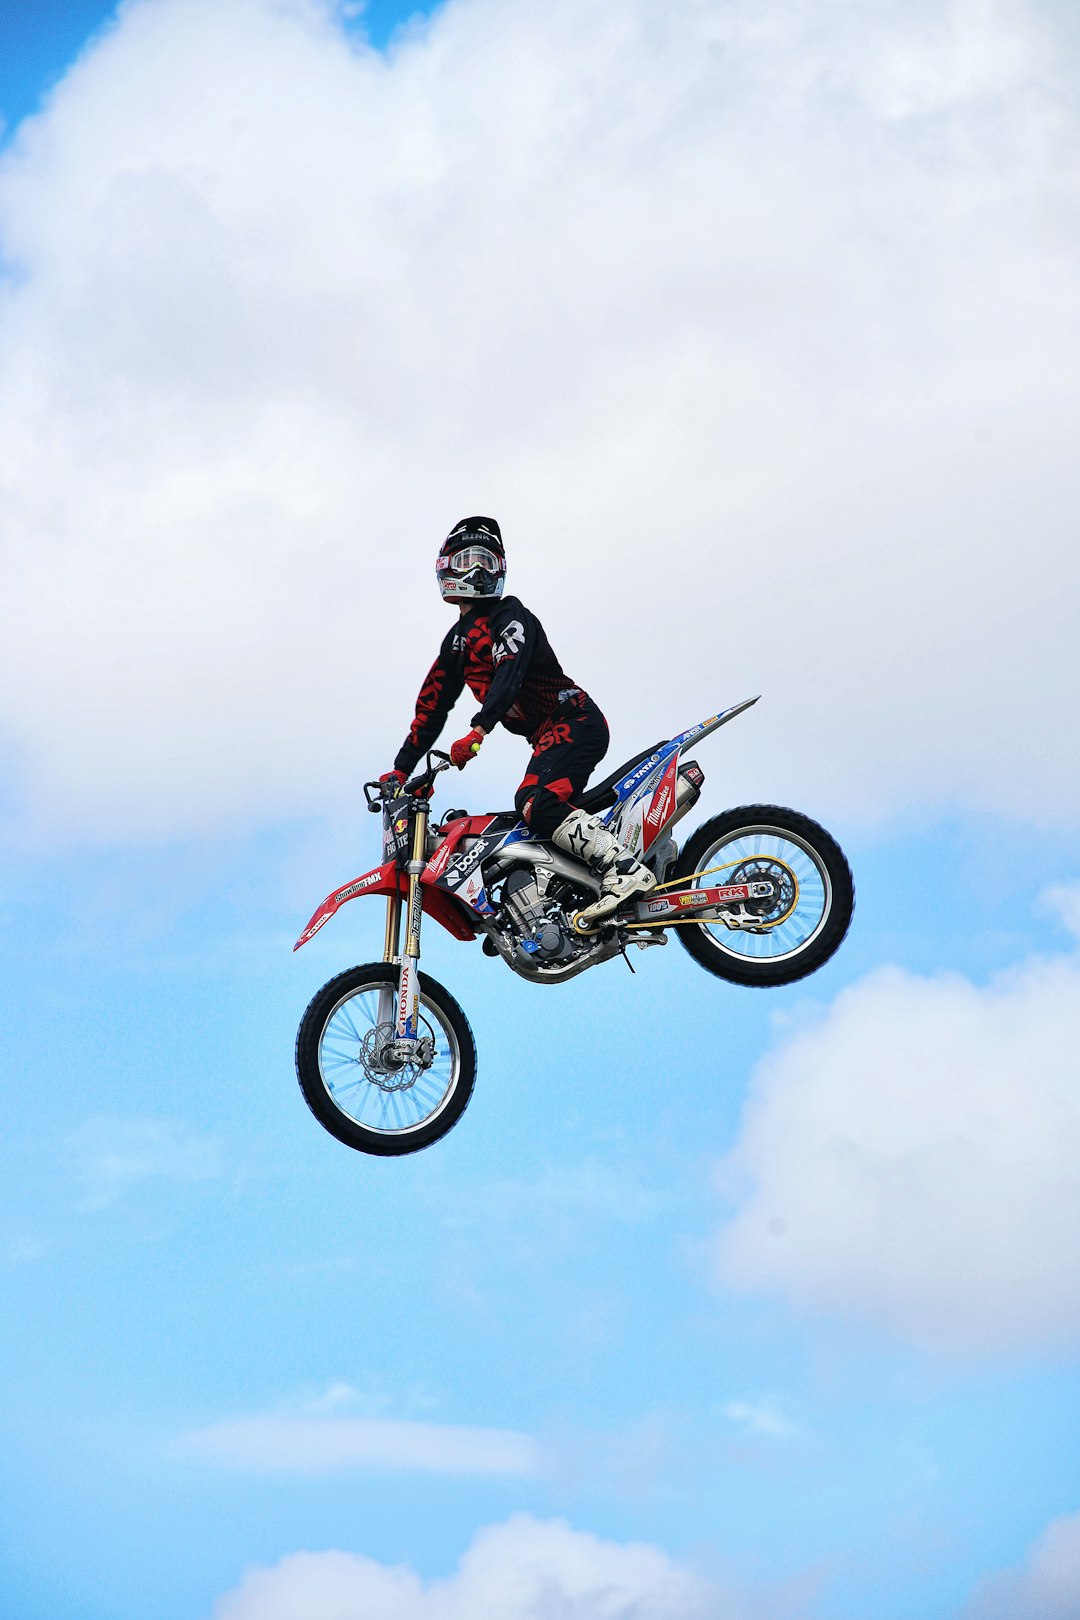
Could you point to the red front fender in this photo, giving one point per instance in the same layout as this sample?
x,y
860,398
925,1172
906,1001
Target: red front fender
x,y
387,879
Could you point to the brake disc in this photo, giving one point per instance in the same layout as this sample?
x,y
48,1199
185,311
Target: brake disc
x,y
392,1064
782,881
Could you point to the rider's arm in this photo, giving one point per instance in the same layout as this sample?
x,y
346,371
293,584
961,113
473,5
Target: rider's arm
x,y
513,641
440,691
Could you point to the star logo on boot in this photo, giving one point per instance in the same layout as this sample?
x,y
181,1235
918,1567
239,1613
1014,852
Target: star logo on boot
x,y
578,841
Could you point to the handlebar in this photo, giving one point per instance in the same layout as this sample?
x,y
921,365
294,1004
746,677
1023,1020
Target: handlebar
x,y
379,793
426,778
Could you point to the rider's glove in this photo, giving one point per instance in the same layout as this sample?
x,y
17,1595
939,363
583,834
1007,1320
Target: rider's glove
x,y
394,779
466,748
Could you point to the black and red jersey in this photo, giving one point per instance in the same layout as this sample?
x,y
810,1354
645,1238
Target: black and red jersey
x,y
500,652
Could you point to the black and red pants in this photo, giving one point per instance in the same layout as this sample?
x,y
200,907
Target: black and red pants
x,y
570,743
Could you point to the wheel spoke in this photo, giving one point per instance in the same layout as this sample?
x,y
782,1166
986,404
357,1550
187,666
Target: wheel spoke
x,y
767,852
345,1017
389,1102
339,1090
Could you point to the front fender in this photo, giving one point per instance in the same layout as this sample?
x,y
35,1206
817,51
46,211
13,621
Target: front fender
x,y
386,880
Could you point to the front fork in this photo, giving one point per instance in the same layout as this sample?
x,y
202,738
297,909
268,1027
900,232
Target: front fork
x,y
400,1005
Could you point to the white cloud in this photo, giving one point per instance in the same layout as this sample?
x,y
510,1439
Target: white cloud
x,y
1063,901
911,1158
763,1418
521,1570
761,315
320,1438
1045,1587
111,1155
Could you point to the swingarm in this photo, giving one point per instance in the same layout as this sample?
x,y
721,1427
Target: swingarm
x,y
726,903
756,905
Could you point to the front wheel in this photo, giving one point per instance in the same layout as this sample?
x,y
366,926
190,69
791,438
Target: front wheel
x,y
790,935
356,1086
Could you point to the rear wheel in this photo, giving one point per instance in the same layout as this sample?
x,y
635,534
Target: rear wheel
x,y
813,894
358,1088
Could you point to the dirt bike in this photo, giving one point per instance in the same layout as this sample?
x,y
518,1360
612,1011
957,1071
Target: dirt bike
x,y
384,1054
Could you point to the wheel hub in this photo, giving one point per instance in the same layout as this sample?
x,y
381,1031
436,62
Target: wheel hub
x,y
781,894
392,1064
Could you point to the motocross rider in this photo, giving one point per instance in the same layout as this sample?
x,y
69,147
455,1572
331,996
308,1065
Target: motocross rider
x,y
499,650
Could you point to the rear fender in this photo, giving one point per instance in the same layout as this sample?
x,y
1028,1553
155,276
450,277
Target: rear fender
x,y
713,723
647,799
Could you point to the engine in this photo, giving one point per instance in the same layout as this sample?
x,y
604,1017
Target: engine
x,y
536,919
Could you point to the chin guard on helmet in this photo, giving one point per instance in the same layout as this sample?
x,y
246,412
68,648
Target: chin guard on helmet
x,y
471,565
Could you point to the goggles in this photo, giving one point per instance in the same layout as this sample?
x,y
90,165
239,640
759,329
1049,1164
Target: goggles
x,y
470,557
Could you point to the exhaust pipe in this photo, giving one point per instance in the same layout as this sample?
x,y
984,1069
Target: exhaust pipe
x,y
688,785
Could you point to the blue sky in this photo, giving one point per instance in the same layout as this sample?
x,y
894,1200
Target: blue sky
x,y
258,363
41,42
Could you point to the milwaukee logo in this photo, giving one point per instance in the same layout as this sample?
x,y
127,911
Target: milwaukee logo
x,y
440,860
660,810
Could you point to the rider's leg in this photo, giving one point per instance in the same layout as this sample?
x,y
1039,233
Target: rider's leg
x,y
621,876
564,754
565,751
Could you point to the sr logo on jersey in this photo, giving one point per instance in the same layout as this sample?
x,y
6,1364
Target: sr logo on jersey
x,y
510,642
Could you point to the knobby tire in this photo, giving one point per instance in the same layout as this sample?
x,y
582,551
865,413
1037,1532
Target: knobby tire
x,y
351,1132
760,971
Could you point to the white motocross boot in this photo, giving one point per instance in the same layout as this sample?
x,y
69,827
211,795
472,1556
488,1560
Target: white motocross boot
x,y
621,876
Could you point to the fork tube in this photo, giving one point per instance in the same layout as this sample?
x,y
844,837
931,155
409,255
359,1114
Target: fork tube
x,y
409,984
393,927
416,865
388,994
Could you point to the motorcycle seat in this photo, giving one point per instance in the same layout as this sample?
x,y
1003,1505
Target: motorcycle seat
x,y
602,794
596,798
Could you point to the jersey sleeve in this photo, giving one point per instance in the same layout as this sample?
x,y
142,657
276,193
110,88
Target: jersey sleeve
x,y
440,691
513,641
